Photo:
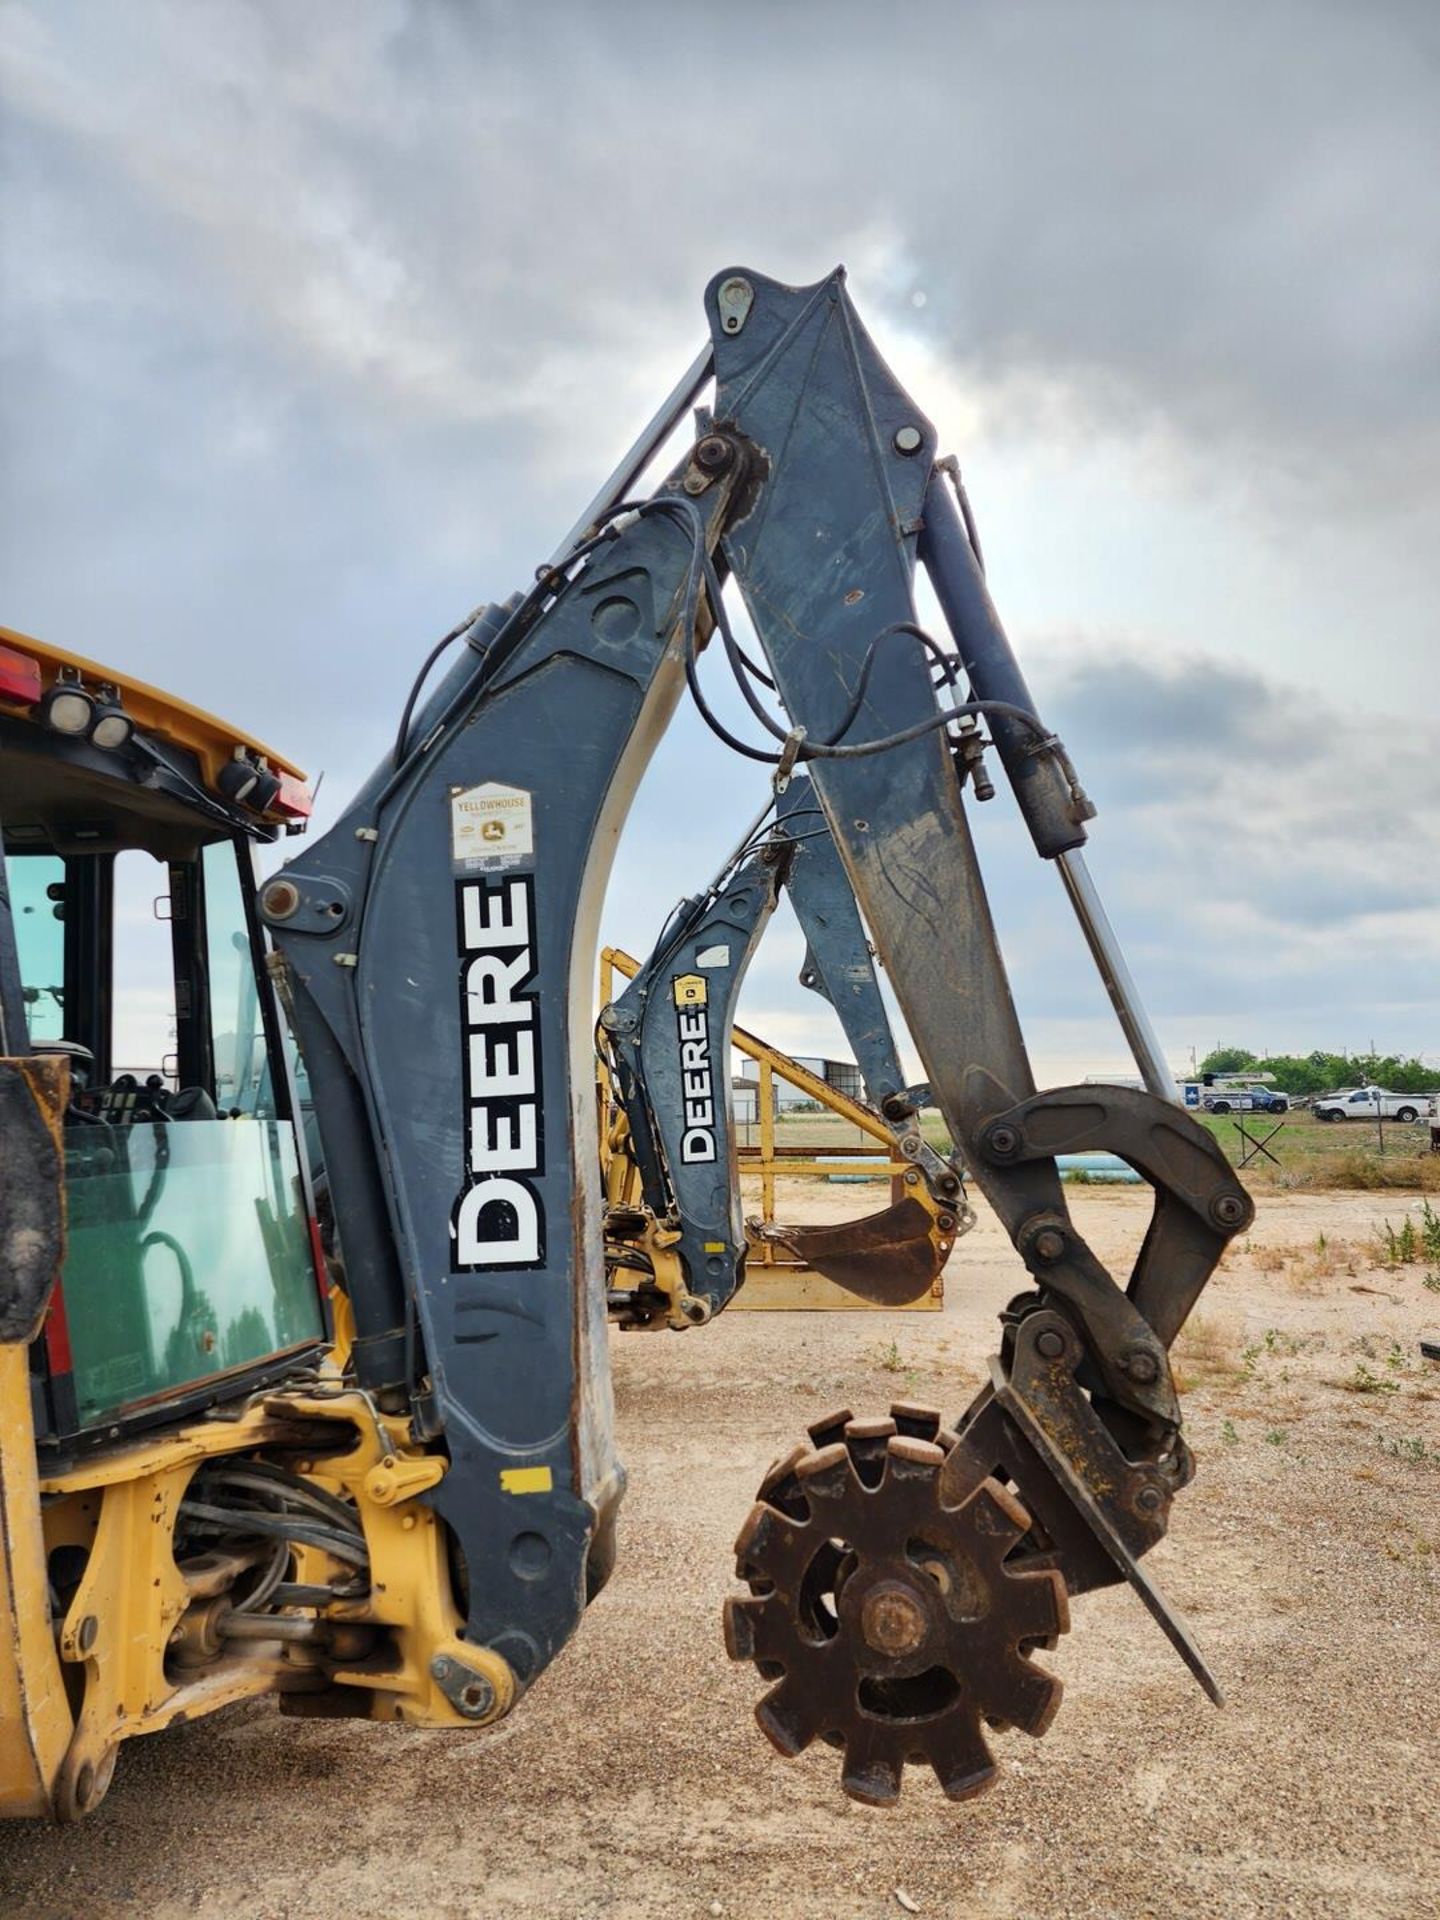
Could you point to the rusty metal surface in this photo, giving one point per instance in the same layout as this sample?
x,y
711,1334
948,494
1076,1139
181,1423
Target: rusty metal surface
x,y
892,1624
1095,1510
888,1258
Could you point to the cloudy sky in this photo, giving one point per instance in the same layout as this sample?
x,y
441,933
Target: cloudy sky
x,y
322,320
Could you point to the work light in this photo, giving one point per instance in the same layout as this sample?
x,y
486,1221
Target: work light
x,y
110,726
68,709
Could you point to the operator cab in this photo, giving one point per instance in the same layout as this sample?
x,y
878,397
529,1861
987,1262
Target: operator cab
x,y
129,825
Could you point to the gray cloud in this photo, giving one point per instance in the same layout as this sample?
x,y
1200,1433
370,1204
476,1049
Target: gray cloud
x,y
1277,851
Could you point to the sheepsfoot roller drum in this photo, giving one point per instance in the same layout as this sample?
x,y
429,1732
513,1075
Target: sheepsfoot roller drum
x,y
894,1625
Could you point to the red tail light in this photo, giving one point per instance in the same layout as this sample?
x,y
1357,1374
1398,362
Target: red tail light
x,y
19,678
294,798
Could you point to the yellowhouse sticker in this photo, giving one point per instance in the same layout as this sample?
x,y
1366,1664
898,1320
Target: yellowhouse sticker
x,y
491,826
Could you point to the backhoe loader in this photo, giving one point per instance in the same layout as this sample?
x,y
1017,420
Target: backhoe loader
x,y
385,1484
673,1225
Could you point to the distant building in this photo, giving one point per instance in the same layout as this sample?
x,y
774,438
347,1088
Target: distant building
x,y
744,1100
843,1075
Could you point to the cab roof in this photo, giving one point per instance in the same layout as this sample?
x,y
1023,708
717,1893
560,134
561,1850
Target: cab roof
x,y
30,668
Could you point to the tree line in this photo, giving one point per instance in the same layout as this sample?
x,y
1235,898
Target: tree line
x,y
1327,1072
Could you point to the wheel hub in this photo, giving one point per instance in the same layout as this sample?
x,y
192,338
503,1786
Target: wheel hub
x,y
894,1620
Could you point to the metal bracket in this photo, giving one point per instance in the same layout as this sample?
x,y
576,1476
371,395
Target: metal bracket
x,y
1034,1415
733,301
789,754
1199,1204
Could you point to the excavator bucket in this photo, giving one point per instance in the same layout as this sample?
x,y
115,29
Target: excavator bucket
x,y
887,1259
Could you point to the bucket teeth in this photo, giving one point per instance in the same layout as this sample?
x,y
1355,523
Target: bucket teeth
x,y
741,1619
780,1488
920,1423
827,1474
873,1768
789,1717
962,1761
867,1441
914,1459
825,1432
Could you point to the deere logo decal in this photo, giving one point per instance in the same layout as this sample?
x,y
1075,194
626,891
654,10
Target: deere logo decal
x,y
498,1219
697,1142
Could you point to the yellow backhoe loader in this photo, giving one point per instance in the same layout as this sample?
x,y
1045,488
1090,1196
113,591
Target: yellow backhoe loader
x,y
376,1475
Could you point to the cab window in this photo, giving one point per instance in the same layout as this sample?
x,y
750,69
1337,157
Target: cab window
x,y
142,997
189,1254
37,894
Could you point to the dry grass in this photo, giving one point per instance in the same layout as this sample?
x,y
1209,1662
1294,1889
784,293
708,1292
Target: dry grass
x,y
1322,1261
1206,1352
1307,1266
1355,1170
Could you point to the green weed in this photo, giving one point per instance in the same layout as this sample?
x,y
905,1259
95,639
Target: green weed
x,y
1400,1249
1364,1381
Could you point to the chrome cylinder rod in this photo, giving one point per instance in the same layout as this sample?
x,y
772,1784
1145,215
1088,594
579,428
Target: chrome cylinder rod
x,y
667,417
1103,945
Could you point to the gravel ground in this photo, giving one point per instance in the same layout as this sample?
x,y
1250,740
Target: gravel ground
x,y
633,1784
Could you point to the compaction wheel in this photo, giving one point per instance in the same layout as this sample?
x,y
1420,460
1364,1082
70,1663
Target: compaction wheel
x,y
892,1626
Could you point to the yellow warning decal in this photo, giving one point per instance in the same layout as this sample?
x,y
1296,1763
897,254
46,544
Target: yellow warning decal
x,y
691,990
714,1246
526,1480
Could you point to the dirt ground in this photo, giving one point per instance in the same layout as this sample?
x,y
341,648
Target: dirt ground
x,y
633,1784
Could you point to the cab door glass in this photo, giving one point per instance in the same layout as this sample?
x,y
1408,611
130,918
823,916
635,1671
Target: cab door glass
x,y
243,1082
37,887
189,1249
142,1033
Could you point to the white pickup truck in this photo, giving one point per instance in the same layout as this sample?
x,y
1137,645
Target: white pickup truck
x,y
1369,1103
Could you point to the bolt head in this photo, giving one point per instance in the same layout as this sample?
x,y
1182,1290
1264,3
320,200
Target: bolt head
x,y
1227,1210
1141,1366
1050,1343
1001,1142
714,453
893,1621
1049,1244
909,440
1149,1499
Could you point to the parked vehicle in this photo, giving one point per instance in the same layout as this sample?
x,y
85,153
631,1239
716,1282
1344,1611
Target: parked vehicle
x,y
1240,1097
1368,1103
1257,1100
